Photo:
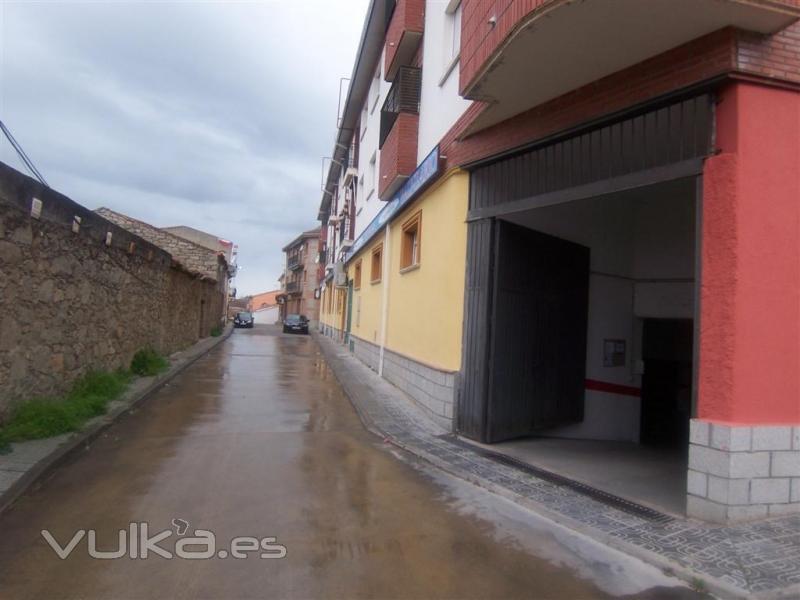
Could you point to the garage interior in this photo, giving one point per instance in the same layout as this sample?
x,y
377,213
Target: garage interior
x,y
601,292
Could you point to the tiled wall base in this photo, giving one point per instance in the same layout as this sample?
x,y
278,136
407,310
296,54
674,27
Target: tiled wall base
x,y
743,472
432,389
331,332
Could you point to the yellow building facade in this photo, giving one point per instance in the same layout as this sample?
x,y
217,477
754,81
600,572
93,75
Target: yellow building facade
x,y
332,311
406,309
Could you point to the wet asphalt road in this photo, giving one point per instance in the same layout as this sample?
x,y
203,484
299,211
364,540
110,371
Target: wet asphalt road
x,y
257,439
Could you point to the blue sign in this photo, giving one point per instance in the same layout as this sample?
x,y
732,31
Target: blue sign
x,y
422,175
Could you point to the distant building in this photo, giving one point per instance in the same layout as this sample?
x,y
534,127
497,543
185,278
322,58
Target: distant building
x,y
202,238
208,240
263,300
206,263
300,291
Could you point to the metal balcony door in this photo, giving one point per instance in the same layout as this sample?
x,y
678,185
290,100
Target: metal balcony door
x,y
537,362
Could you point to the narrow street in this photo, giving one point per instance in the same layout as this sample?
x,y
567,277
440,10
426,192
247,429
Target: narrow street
x,y
257,439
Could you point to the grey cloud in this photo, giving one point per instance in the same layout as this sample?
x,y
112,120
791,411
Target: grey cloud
x,y
213,115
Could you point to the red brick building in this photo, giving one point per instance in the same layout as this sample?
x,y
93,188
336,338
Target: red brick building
x,y
300,293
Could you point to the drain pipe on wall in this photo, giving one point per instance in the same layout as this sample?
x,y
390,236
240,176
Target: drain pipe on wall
x,y
385,295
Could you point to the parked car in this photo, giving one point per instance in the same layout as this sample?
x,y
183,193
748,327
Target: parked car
x,y
243,319
295,323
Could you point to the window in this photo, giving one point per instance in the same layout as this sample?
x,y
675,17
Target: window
x,y
377,264
364,115
373,173
375,89
357,275
452,37
411,242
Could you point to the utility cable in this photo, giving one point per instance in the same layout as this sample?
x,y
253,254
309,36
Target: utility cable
x,y
21,153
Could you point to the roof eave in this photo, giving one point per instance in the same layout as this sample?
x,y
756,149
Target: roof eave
x,y
369,52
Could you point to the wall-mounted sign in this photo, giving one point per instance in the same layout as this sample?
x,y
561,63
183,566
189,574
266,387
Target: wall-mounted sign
x,y
422,176
613,353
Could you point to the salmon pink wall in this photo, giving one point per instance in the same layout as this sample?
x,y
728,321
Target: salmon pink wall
x,y
750,290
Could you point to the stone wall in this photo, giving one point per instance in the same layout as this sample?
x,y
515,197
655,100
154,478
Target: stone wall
x,y
82,295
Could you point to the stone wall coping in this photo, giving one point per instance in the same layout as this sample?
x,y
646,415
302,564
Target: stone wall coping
x,y
18,190
178,261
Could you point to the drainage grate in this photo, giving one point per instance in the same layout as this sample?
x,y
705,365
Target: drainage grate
x,y
626,506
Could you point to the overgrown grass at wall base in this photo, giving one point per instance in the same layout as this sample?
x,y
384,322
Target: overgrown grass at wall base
x,y
48,417
89,397
147,362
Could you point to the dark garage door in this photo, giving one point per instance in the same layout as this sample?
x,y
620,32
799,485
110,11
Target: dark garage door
x,y
538,365
525,303
529,372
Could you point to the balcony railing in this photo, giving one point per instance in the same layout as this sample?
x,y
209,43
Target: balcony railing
x,y
294,261
403,97
292,287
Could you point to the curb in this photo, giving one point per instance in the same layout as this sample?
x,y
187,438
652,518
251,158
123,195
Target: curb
x,y
87,435
712,585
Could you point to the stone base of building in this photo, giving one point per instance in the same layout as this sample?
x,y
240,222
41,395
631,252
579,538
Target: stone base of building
x,y
742,472
432,389
331,332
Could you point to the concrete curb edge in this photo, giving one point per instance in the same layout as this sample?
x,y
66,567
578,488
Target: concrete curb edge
x,y
86,436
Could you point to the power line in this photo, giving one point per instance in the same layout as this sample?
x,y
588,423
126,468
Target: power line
x,y
21,153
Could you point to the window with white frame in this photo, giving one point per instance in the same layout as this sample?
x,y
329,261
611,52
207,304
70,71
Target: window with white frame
x,y
452,36
373,173
364,115
375,89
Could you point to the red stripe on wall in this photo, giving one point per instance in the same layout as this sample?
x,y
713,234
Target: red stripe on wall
x,y
612,388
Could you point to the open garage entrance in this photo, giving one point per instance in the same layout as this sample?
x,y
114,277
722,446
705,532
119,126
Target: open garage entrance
x,y
580,303
593,322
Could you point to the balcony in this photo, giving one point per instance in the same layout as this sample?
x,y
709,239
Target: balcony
x,y
404,35
350,175
518,55
294,262
399,131
292,287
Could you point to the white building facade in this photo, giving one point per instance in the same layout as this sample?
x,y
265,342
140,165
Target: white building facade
x,y
409,49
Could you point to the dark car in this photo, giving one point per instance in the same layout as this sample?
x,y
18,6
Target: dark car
x,y
295,324
243,319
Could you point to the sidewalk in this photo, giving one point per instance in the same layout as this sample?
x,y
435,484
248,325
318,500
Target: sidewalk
x,y
30,461
760,558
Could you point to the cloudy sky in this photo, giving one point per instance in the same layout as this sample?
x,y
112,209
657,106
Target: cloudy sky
x,y
208,114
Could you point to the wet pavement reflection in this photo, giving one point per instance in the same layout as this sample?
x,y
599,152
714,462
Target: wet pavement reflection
x,y
256,439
